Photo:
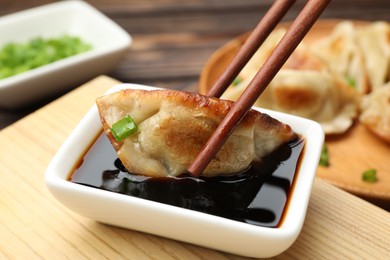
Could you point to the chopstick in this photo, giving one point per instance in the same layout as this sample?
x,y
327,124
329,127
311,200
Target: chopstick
x,y
254,41
294,35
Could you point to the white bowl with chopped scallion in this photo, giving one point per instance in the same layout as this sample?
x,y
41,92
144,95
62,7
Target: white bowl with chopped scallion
x,y
51,49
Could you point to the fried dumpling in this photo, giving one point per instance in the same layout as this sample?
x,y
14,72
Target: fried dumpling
x,y
173,126
316,95
301,59
343,56
304,87
376,112
374,42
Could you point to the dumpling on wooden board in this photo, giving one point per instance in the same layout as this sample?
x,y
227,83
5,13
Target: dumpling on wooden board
x,y
301,59
316,95
374,42
376,112
305,87
343,56
173,126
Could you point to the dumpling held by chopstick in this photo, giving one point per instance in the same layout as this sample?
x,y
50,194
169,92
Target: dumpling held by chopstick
x,y
166,129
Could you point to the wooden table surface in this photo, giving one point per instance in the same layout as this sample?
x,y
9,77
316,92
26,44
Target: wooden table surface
x,y
172,41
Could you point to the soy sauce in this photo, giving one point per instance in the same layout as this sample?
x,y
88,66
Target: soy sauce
x,y
256,196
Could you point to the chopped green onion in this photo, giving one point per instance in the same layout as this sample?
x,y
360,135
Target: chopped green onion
x,y
237,81
351,82
369,176
123,128
18,57
324,158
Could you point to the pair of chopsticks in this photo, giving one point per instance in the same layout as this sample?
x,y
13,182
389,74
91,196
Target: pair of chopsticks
x,y
294,35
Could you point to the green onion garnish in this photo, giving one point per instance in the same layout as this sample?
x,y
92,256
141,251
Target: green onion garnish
x,y
324,158
123,128
369,176
351,82
18,57
237,81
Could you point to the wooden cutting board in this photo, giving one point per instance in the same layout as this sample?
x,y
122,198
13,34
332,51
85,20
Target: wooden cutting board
x,y
350,153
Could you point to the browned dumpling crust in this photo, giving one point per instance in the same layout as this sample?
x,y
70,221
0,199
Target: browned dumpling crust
x,y
310,93
173,126
323,81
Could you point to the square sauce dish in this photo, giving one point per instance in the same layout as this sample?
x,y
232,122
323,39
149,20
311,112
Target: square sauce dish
x,y
263,231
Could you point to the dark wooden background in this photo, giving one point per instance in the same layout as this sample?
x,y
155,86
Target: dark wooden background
x,y
173,39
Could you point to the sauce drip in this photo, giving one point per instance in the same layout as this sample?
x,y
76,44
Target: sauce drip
x,y
256,196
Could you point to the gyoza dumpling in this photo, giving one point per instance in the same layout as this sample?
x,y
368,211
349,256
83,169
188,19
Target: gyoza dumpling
x,y
305,88
374,41
316,95
343,56
376,112
301,59
173,126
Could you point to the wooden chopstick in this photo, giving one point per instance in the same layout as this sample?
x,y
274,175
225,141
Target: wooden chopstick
x,y
294,35
269,21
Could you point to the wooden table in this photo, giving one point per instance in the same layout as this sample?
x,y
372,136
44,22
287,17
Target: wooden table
x,y
172,41
34,224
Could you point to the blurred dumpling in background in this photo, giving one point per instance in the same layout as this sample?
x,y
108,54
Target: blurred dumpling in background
x,y
374,42
343,56
376,112
303,87
315,95
301,59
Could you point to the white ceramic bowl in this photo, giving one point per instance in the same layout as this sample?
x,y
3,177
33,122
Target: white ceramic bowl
x,y
189,226
77,18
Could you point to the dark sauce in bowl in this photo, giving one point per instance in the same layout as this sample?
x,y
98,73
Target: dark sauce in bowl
x,y
257,196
